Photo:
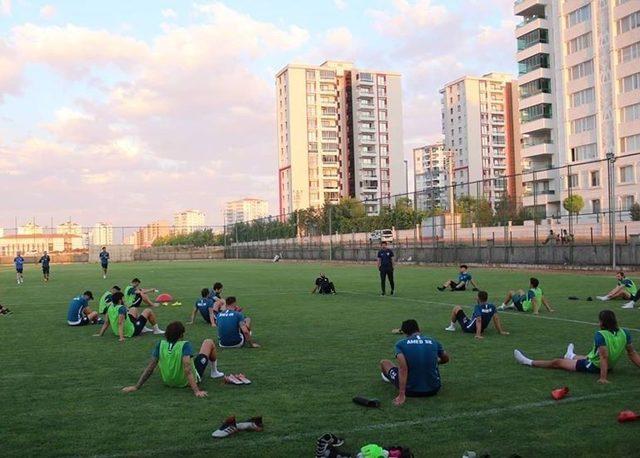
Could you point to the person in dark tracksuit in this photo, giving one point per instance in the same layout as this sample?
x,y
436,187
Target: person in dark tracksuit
x,y
385,266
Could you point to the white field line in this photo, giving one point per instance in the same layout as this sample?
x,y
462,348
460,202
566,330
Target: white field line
x,y
391,425
524,315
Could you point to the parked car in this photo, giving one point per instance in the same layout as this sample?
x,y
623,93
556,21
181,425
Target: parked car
x,y
381,235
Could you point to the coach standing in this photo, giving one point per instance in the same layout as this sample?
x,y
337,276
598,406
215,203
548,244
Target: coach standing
x,y
385,266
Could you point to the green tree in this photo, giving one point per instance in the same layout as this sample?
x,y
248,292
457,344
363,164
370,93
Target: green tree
x,y
634,211
573,204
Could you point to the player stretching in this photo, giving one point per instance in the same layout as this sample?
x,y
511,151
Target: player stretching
x,y
625,289
104,261
609,343
464,278
45,260
19,263
483,314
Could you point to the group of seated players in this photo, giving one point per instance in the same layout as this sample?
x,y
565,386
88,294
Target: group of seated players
x,y
415,372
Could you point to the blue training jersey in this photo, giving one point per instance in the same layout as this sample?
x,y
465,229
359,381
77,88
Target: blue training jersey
x,y
76,306
45,260
486,312
464,277
19,262
104,257
229,332
386,258
421,353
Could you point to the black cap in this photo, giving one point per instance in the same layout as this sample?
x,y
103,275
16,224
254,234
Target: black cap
x,y
89,294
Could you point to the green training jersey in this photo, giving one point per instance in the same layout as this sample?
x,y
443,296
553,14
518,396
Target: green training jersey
x,y
105,301
616,343
527,304
113,313
129,295
170,362
629,286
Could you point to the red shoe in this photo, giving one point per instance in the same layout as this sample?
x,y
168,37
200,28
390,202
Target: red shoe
x,y
627,415
560,393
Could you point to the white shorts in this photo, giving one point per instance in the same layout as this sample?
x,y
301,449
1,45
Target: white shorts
x,y
238,345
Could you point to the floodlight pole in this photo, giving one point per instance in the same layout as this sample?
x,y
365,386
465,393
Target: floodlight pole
x,y
611,159
330,235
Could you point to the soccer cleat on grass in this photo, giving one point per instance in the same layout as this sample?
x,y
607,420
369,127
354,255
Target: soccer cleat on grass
x,y
252,424
227,428
216,374
384,378
517,354
627,415
569,354
158,331
441,288
146,330
450,328
560,393
243,379
232,380
629,305
602,298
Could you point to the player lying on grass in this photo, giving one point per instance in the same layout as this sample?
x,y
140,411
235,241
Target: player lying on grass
x,y
609,343
204,305
178,367
483,314
135,296
127,322
625,289
106,299
79,313
526,302
416,373
323,285
464,278
234,330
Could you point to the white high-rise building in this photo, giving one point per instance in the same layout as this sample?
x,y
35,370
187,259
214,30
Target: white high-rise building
x,y
188,221
101,234
579,82
339,135
478,127
69,228
430,176
245,210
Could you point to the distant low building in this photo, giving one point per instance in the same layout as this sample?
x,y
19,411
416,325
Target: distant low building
x,y
101,234
69,227
30,229
37,243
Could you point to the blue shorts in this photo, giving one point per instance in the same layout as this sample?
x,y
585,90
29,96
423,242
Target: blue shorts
x,y
465,323
19,270
584,365
518,299
205,314
394,377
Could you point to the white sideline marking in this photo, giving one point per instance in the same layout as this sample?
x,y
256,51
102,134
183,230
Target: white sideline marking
x,y
393,425
525,315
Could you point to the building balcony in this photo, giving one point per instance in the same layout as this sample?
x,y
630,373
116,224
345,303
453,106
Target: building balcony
x,y
365,94
368,165
542,197
369,106
541,149
541,72
528,7
531,23
538,48
365,116
366,140
535,99
534,125
368,153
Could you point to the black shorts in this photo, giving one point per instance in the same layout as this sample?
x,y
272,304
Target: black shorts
x,y
465,323
83,322
105,266
454,286
19,269
138,324
394,376
45,270
584,365
137,301
200,364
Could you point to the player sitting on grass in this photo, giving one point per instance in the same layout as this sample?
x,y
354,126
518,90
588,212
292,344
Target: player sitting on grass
x,y
483,314
178,367
127,322
134,296
609,343
323,285
204,305
418,356
625,289
4,310
79,313
464,278
216,291
234,330
106,299
526,302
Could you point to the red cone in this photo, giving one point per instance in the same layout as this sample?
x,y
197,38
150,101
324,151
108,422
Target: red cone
x,y
627,415
560,393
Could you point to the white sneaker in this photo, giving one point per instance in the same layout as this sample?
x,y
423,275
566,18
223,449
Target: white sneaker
x,y
602,298
228,428
217,374
158,331
384,379
629,305
501,308
569,354
517,354
146,330
450,328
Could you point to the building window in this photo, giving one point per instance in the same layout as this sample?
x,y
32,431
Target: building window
x,y
579,43
581,97
584,152
630,113
630,144
630,83
594,178
629,22
626,202
532,63
311,74
381,80
327,74
573,181
629,53
626,174
580,15
583,124
595,206
534,37
542,110
541,85
581,70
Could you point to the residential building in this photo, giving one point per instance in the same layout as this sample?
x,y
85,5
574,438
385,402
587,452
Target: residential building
x,y
144,237
101,234
244,210
579,83
35,243
478,127
188,221
30,229
339,135
69,227
430,176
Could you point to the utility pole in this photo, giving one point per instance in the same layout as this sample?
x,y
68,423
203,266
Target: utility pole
x,y
611,160
330,235
452,203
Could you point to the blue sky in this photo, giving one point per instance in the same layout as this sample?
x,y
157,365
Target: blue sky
x,y
105,103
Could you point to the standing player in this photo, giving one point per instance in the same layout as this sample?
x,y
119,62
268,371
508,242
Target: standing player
x,y
483,314
45,260
104,261
385,266
464,278
79,312
18,261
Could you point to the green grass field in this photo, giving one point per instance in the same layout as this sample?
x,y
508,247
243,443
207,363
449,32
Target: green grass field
x,y
60,387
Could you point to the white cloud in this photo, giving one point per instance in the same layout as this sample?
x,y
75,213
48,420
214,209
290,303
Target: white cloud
x,y
5,7
48,11
169,13
340,4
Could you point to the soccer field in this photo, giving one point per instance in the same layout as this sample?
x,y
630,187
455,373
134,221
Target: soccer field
x,y
60,387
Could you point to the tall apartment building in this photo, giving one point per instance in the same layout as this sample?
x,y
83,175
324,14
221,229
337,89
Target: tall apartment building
x,y
70,228
579,84
339,135
478,127
101,234
430,178
244,210
187,221
144,237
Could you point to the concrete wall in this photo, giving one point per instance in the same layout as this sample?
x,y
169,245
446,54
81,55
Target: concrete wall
x,y
56,258
172,253
117,253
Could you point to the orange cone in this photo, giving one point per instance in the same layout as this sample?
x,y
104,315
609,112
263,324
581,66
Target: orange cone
x,y
560,393
627,415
